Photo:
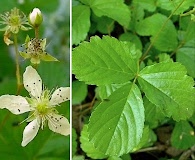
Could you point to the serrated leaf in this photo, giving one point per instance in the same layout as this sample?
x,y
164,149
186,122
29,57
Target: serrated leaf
x,y
116,126
115,9
186,56
88,147
80,23
172,5
168,87
183,135
150,26
105,61
163,57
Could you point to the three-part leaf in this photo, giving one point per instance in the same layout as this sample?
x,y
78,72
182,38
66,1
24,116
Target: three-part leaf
x,y
116,125
168,87
105,61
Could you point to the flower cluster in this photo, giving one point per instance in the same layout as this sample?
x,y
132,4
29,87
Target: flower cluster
x,y
41,106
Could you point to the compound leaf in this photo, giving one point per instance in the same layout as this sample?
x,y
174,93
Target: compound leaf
x,y
168,87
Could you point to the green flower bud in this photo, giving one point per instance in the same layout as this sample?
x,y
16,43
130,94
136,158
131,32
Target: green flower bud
x,y
35,17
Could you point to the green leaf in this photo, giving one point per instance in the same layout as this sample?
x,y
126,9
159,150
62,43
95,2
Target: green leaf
x,y
163,57
106,90
186,56
80,23
79,92
88,147
183,135
148,5
105,25
172,5
168,87
131,38
150,26
78,158
116,125
115,9
153,115
104,61
148,139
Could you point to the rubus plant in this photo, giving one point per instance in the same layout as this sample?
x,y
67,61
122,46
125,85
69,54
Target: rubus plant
x,y
141,58
42,103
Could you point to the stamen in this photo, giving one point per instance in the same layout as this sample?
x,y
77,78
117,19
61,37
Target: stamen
x,y
33,114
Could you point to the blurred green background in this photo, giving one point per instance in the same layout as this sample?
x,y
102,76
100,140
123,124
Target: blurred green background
x,y
46,145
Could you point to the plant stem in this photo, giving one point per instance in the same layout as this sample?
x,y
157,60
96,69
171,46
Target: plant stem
x,y
37,32
161,29
18,77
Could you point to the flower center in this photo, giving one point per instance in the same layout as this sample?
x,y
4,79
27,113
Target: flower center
x,y
41,105
42,108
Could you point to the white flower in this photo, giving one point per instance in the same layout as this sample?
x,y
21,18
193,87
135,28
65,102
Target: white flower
x,y
35,17
41,106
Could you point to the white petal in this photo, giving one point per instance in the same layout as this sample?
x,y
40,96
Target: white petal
x,y
30,132
32,82
58,124
60,95
15,104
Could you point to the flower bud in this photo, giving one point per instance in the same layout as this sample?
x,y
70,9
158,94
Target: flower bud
x,y
35,17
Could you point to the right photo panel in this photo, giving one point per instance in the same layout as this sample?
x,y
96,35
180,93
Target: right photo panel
x,y
133,71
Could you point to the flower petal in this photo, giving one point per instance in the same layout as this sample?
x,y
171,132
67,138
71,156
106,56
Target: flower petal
x,y
60,95
30,132
58,124
32,82
15,104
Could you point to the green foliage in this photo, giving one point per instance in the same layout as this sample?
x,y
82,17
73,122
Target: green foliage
x,y
157,20
128,118
88,147
79,92
167,86
81,23
143,73
120,13
183,135
123,61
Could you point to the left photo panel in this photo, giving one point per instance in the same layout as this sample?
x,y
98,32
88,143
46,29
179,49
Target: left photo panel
x,y
35,80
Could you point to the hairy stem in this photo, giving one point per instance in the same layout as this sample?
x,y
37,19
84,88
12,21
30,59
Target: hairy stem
x,y
18,76
37,32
